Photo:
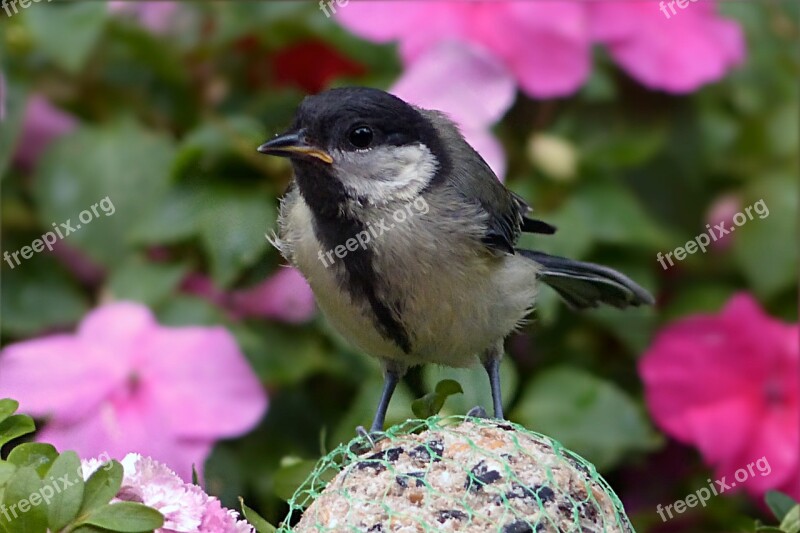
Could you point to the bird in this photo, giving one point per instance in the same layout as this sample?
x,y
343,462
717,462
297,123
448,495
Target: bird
x,y
446,282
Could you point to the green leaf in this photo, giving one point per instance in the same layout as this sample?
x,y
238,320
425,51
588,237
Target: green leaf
x,y
6,471
67,31
177,217
791,522
233,229
15,426
590,416
7,408
779,503
142,281
119,170
23,501
102,485
261,525
12,125
615,216
291,475
125,517
432,403
770,262
183,310
65,479
25,288
475,384
34,454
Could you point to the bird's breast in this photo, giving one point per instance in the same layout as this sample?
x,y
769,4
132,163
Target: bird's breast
x,y
413,285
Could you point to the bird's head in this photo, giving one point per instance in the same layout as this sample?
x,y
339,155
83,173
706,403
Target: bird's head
x,y
360,144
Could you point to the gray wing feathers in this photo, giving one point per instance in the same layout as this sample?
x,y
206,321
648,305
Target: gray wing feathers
x,y
586,285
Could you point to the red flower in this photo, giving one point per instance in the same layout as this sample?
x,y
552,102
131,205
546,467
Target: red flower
x,y
311,65
729,384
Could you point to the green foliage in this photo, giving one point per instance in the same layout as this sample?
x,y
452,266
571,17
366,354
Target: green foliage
x,y
587,414
44,491
432,403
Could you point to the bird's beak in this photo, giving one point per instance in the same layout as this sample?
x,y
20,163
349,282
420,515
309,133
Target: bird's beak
x,y
293,145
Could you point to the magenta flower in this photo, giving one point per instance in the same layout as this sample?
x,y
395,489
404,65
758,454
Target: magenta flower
x,y
155,15
42,124
728,384
285,296
186,508
680,54
123,383
547,45
465,83
544,44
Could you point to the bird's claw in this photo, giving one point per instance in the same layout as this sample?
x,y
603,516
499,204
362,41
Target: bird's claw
x,y
367,442
477,412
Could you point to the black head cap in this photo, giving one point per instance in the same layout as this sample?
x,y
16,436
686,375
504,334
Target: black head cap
x,y
358,118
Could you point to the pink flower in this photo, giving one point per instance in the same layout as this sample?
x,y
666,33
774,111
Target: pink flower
x,y
466,84
123,383
285,296
547,45
186,508
680,54
728,384
544,44
722,210
155,15
42,124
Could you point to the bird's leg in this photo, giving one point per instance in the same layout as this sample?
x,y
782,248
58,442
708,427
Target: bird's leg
x,y
390,380
491,362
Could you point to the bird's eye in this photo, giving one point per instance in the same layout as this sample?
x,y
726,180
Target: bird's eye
x,y
361,137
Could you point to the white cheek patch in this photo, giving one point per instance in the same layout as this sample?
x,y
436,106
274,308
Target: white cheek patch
x,y
386,173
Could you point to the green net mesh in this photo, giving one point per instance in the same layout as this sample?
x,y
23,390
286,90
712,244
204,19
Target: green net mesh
x,y
455,474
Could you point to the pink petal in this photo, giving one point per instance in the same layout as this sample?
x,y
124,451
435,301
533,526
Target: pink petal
x,y
202,383
155,15
461,80
380,21
118,329
134,427
286,296
43,123
417,26
57,376
679,54
545,44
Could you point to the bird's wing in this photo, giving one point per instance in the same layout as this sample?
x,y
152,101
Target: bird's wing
x,y
586,285
476,182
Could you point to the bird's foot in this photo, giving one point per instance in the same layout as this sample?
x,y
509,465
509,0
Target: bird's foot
x,y
477,412
367,440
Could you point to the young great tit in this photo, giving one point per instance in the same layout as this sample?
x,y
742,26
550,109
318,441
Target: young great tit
x,y
442,284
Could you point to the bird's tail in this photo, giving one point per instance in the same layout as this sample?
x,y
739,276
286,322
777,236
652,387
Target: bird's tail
x,y
586,285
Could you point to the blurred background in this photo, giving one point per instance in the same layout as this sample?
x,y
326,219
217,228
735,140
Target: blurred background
x,y
134,202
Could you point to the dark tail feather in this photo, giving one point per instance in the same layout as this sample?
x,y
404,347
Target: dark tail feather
x,y
586,285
